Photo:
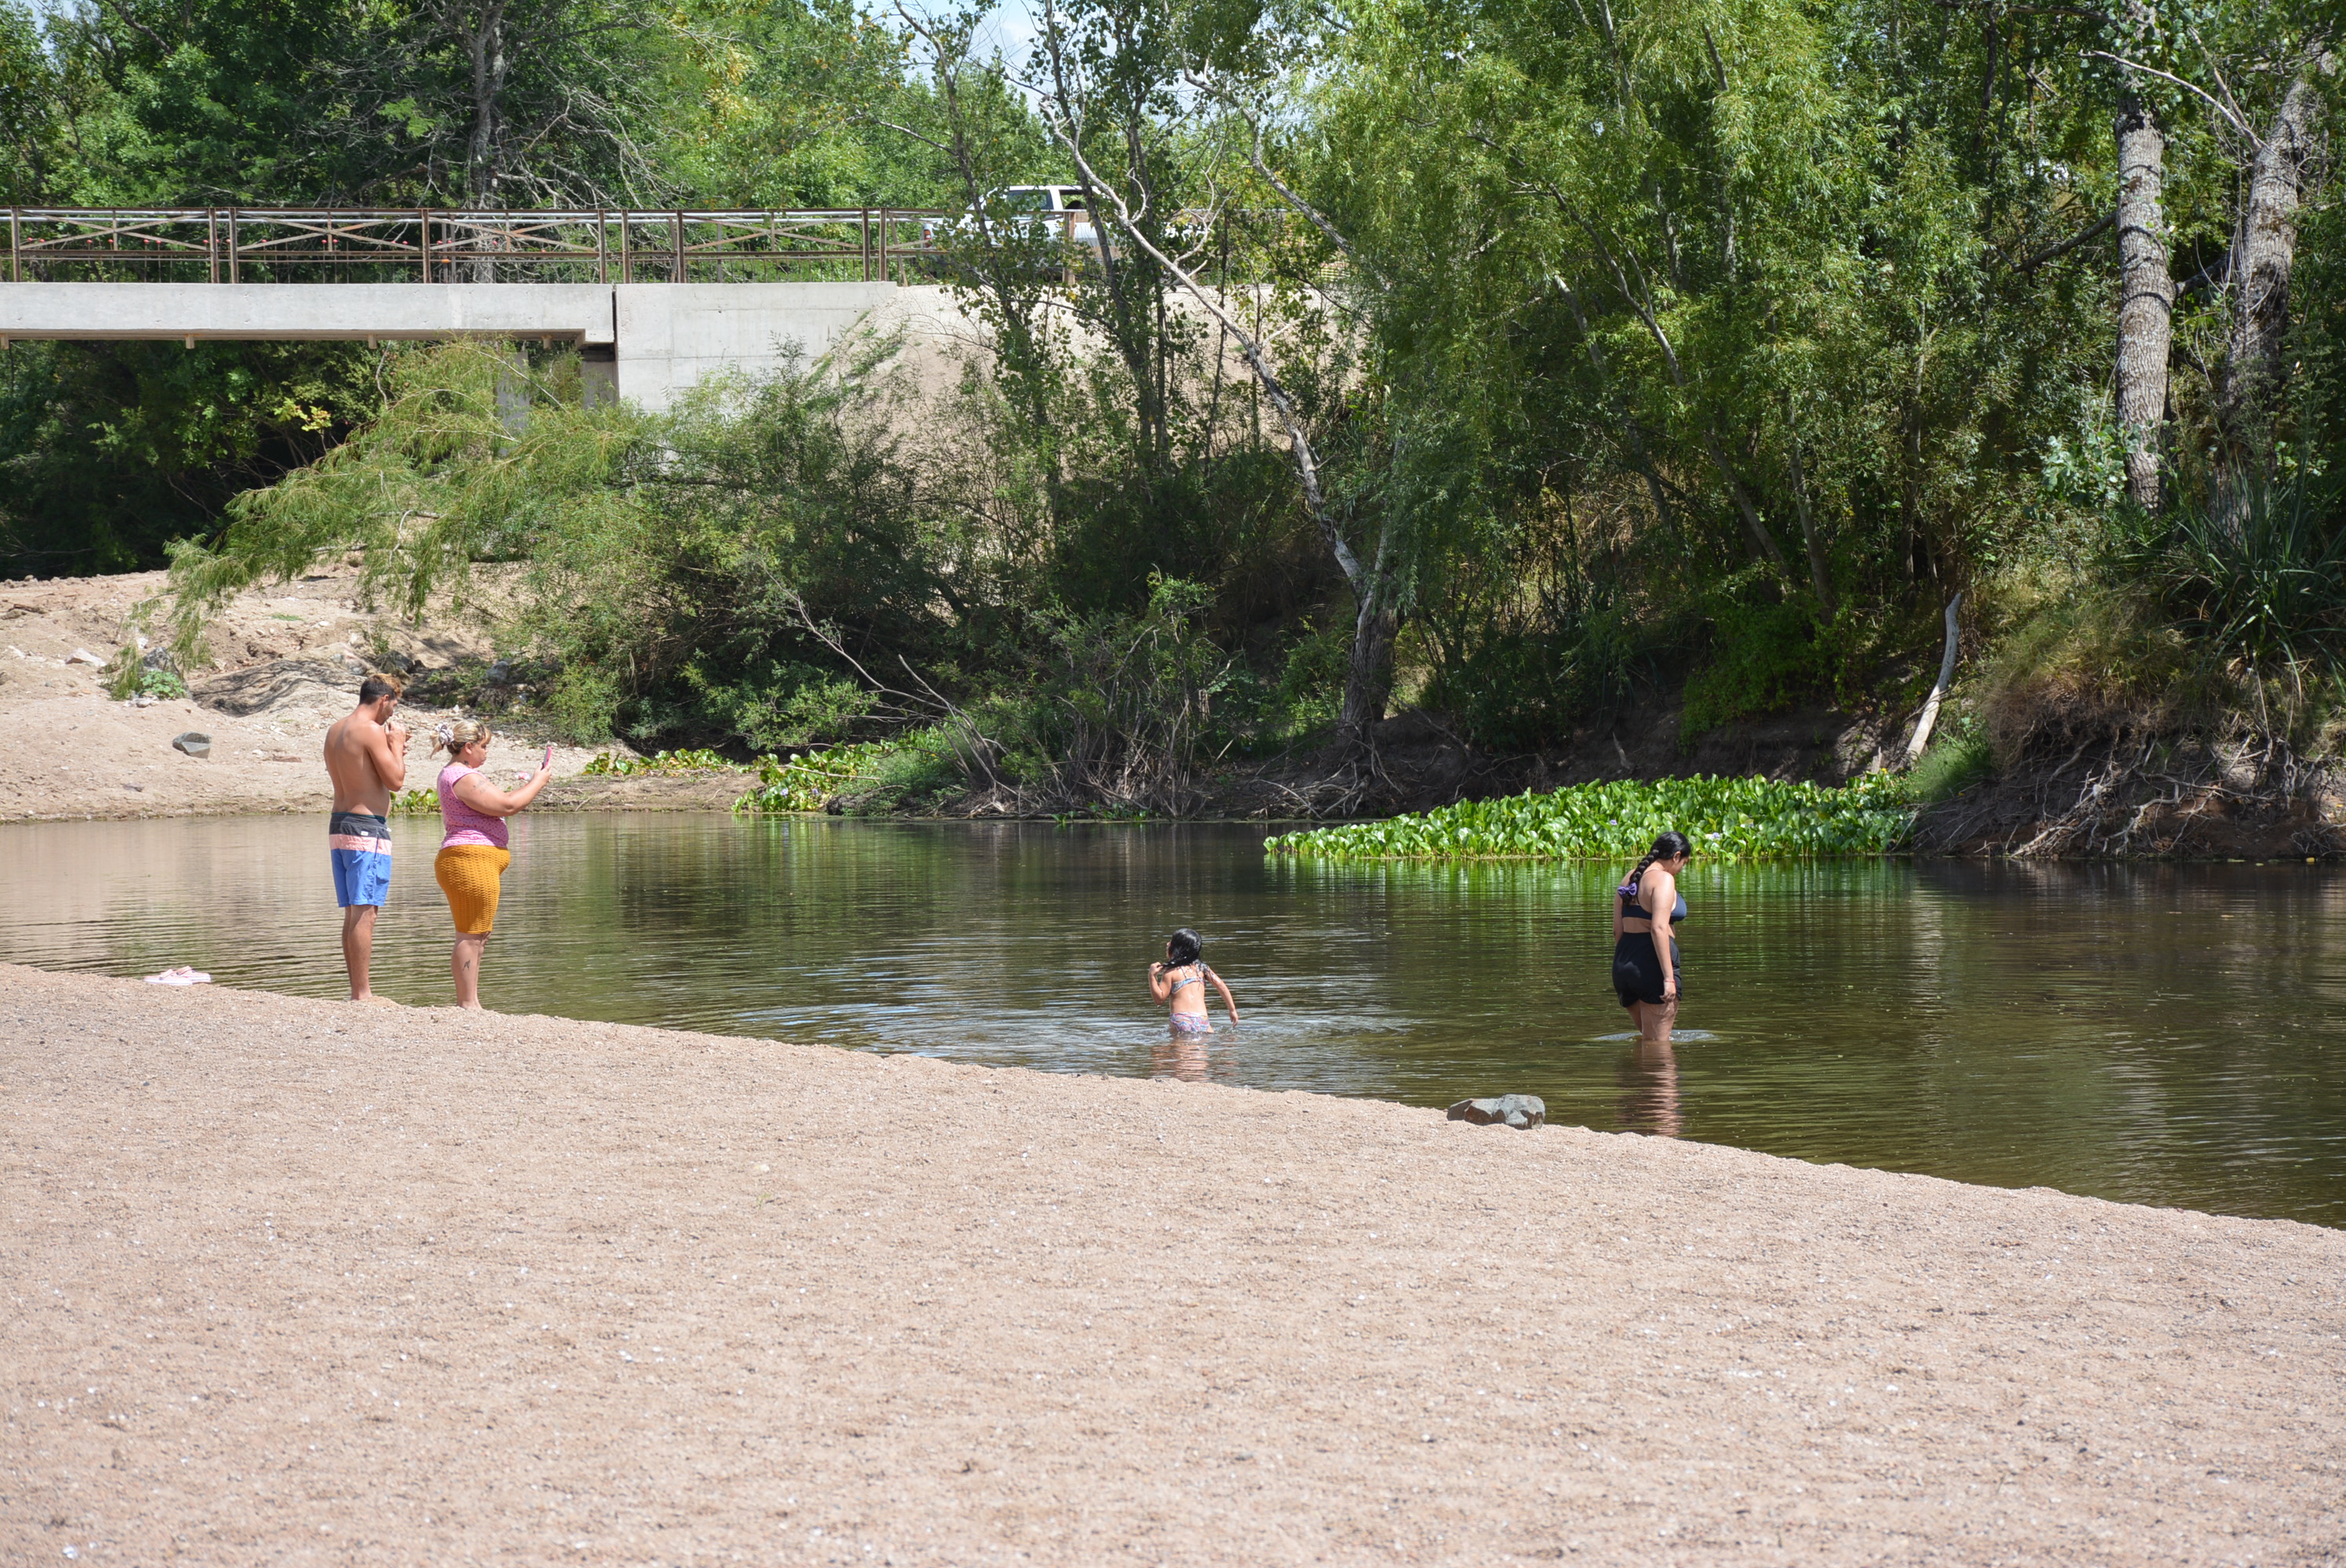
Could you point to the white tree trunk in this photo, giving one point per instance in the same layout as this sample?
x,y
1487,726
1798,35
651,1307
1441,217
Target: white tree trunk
x,y
2263,251
2146,297
1916,747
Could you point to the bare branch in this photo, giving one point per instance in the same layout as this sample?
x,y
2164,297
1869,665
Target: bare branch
x,y
2230,117
1066,131
2053,252
1303,208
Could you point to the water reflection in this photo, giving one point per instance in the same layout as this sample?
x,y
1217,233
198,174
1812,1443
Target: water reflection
x,y
1650,1086
1181,1056
2160,1034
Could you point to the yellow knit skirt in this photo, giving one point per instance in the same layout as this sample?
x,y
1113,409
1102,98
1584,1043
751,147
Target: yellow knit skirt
x,y
468,874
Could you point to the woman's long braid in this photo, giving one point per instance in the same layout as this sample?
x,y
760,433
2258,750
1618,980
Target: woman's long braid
x,y
1666,846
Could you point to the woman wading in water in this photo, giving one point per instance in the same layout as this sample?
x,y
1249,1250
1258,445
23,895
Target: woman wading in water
x,y
1644,953
473,854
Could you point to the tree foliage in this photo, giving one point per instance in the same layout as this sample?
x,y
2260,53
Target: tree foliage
x,y
1539,364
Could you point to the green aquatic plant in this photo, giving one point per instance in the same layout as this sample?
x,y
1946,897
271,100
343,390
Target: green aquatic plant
x,y
662,764
808,782
1727,818
415,804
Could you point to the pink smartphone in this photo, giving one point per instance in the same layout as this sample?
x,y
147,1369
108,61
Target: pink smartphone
x,y
547,764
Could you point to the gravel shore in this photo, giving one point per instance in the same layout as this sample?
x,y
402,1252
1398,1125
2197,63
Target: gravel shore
x,y
295,1282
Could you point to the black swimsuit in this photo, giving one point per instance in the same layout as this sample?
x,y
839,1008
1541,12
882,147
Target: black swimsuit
x,y
1636,965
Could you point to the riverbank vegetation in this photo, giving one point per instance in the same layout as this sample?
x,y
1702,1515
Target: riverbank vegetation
x,y
1726,818
1590,386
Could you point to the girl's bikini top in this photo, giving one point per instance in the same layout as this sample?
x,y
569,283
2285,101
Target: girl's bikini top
x,y
1629,909
1180,985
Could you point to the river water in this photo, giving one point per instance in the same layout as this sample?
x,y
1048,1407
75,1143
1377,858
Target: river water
x,y
2164,1034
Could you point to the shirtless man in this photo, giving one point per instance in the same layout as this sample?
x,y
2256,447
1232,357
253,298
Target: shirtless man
x,y
366,756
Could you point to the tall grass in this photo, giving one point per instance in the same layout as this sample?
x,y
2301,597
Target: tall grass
x,y
2262,587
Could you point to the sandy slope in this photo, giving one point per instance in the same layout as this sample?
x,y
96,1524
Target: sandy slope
x,y
286,659
293,1282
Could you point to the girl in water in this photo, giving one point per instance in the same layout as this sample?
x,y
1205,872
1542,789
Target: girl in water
x,y
1179,984
1645,972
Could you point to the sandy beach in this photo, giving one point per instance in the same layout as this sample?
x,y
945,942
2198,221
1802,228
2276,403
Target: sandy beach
x,y
298,1282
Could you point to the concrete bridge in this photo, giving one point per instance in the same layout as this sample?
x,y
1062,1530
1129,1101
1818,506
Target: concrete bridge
x,y
640,342
654,300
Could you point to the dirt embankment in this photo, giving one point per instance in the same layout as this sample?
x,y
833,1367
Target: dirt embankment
x,y
2170,797
286,660
303,1282
2184,797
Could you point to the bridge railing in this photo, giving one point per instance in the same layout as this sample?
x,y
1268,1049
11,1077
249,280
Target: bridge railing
x,y
255,245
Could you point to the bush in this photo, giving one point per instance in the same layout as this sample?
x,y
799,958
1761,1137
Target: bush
x,y
2076,664
1129,699
772,526
146,681
1768,657
131,675
1727,818
1517,689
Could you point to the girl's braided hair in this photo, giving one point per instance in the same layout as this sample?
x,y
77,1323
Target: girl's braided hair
x,y
1669,846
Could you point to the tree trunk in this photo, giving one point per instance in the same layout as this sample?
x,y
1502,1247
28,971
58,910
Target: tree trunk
x,y
1929,716
2146,297
1764,548
1368,674
484,146
1819,565
2263,251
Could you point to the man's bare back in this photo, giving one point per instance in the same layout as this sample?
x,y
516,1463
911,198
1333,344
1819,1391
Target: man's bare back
x,y
366,756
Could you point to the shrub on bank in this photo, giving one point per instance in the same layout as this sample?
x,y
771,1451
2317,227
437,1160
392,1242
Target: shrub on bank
x,y
1727,818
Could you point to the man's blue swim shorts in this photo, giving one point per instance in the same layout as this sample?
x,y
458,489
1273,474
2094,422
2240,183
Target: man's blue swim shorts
x,y
360,842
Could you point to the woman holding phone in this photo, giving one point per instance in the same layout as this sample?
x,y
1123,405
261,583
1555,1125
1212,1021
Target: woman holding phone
x,y
473,854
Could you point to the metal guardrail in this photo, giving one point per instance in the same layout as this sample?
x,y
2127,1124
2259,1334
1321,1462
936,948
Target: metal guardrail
x,y
238,245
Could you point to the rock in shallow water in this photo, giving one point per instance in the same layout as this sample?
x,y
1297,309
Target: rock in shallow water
x,y
1518,1111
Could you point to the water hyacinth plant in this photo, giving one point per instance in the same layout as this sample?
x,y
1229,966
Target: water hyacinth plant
x,y
1727,818
807,782
663,764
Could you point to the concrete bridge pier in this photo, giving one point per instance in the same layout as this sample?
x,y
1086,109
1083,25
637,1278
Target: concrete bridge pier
x,y
645,343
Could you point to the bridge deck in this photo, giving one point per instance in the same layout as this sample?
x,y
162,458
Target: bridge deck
x,y
653,337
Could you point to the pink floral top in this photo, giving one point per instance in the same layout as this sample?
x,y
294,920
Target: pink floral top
x,y
465,825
